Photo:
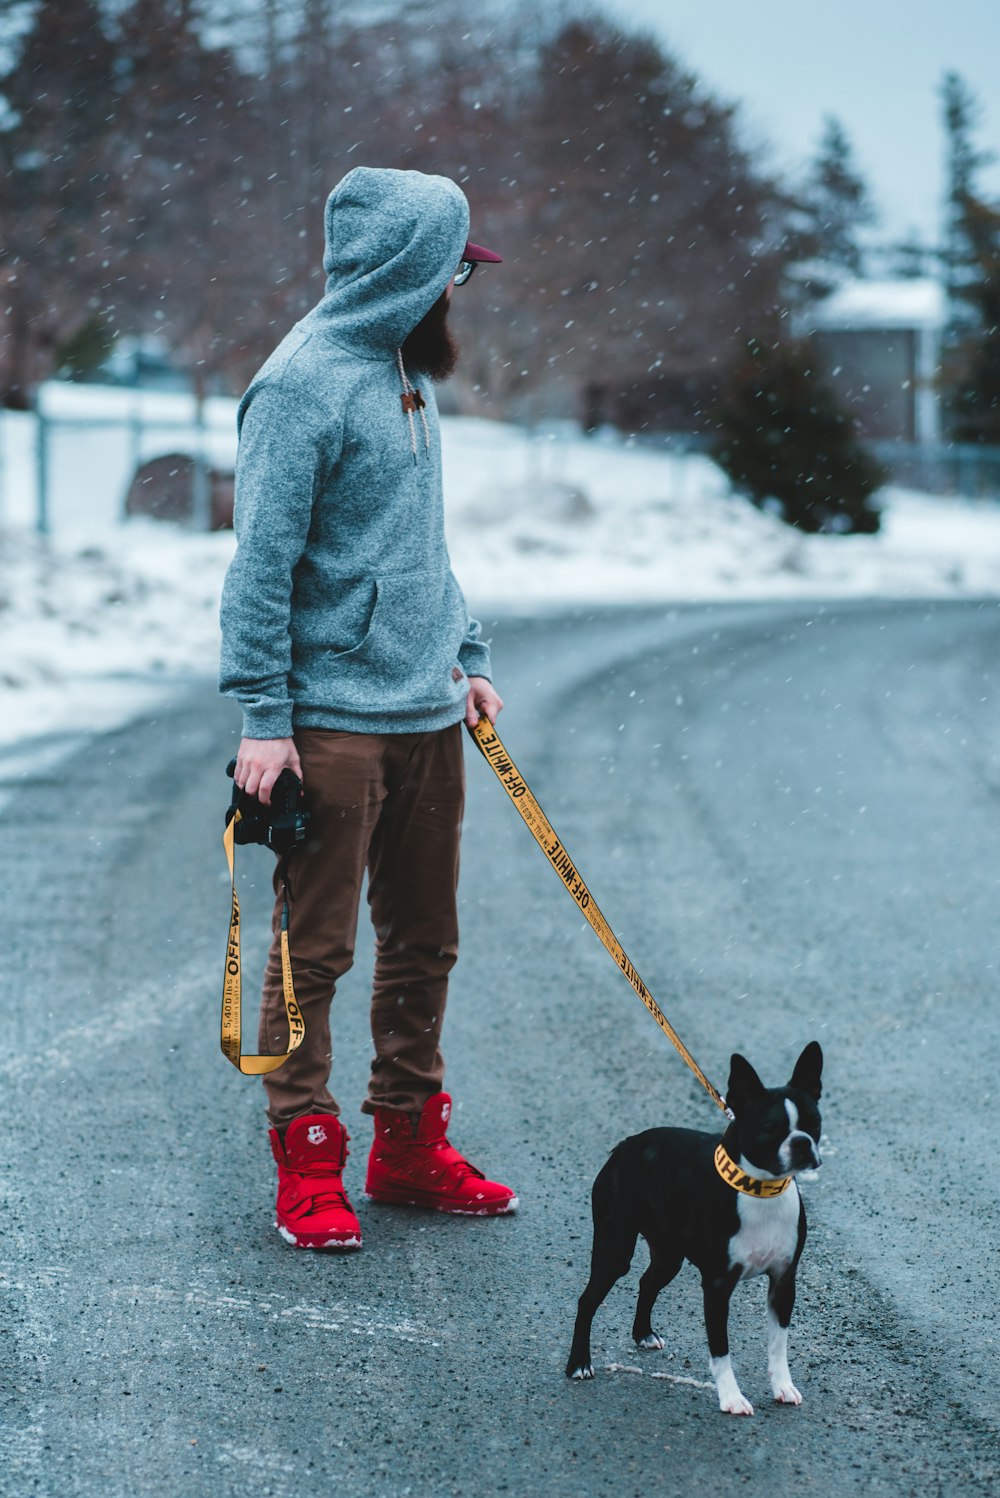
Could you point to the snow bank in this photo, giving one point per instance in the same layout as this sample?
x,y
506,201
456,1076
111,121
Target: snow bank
x,y
541,522
86,634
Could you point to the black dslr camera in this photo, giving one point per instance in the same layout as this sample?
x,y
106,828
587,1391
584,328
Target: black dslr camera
x,y
280,826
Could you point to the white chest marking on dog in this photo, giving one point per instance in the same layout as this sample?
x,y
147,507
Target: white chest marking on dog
x,y
768,1233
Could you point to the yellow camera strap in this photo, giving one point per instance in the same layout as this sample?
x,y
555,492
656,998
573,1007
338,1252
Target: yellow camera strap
x,y
232,987
490,745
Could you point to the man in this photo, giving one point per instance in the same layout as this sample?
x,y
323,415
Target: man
x,y
347,641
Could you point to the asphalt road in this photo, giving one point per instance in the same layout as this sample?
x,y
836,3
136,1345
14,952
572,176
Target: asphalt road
x,y
790,815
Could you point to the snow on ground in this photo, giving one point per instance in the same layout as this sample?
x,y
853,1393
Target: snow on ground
x,y
539,521
93,619
86,634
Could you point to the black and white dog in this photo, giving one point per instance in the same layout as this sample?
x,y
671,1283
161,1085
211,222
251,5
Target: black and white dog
x,y
731,1206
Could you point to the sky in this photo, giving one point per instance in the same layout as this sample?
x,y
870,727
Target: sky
x,y
875,64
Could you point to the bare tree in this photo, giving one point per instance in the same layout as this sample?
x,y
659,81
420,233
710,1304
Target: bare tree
x,y
640,239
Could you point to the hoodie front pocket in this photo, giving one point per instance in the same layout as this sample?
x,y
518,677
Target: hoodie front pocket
x,y
416,628
354,617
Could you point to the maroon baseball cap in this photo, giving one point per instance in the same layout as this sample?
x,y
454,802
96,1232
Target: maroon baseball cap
x,y
476,253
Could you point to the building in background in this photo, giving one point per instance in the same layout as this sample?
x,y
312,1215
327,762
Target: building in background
x,y
881,347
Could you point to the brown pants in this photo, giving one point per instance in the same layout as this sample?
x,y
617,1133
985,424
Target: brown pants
x,y
392,803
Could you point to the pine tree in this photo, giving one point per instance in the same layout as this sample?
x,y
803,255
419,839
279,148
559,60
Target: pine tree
x,y
972,267
784,439
56,189
909,258
838,202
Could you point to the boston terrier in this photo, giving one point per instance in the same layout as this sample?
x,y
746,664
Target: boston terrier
x,y
731,1206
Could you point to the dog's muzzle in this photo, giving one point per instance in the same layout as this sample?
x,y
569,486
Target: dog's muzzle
x,y
801,1152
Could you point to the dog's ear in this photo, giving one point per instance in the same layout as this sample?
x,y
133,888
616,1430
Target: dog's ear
x,y
808,1070
744,1084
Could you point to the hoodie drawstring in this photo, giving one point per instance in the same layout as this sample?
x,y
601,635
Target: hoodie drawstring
x,y
412,401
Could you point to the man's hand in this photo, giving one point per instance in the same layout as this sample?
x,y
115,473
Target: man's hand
x,y
482,701
260,762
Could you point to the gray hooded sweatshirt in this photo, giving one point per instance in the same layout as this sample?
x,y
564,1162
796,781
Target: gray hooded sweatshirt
x,y
339,609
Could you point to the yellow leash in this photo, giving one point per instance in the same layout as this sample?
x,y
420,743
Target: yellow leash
x,y
489,743
252,1066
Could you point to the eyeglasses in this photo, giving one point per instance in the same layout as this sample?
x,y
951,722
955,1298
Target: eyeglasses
x,y
465,269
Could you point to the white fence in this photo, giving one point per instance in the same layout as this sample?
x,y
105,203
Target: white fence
x,y
67,467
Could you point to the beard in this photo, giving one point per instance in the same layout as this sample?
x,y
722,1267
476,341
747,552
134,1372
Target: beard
x,y
431,347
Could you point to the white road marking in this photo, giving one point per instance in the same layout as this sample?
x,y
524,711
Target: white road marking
x,y
356,1320
673,1378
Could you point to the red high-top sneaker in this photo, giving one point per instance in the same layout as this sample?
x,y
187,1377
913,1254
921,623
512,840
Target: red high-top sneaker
x,y
313,1210
425,1170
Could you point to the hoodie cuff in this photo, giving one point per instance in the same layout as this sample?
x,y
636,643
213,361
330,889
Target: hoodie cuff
x,y
267,720
474,659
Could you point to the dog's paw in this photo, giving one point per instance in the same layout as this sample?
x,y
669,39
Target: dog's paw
x,y
736,1404
731,1398
651,1343
786,1393
585,1370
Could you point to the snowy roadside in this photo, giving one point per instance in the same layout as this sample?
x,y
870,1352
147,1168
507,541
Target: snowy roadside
x,y
88,636
535,523
561,521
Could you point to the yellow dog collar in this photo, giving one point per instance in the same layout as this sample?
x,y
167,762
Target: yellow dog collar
x,y
740,1181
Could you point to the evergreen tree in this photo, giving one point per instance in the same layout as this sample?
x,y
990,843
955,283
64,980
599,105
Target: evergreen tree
x,y
783,438
972,267
56,188
838,202
909,258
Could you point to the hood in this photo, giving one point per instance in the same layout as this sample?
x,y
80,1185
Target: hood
x,y
393,242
